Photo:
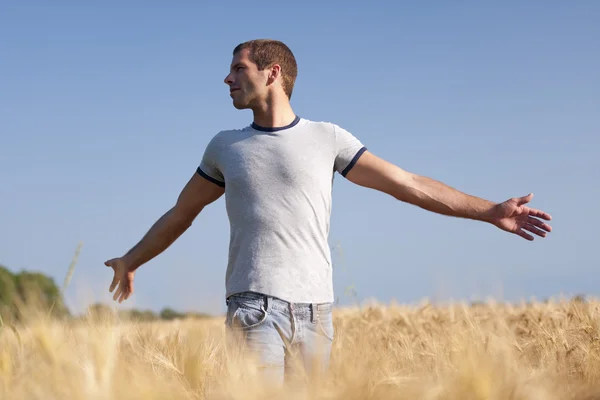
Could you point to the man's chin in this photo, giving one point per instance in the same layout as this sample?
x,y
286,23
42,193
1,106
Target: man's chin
x,y
240,106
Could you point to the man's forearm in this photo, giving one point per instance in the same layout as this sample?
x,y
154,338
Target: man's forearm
x,y
160,236
440,198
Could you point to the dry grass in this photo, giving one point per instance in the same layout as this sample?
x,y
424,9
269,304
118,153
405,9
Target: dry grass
x,y
492,351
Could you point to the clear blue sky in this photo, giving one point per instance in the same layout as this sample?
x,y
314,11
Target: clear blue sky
x,y
106,109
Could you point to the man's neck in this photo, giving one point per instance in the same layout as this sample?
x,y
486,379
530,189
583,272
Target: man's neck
x,y
274,115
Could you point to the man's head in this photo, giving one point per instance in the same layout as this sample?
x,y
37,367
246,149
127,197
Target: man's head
x,y
261,69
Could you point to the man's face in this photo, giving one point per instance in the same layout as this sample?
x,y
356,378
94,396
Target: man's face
x,y
247,85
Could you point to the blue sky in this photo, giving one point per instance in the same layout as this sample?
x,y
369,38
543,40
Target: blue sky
x,y
107,108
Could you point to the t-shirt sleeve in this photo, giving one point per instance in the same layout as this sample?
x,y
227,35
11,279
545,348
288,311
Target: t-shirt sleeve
x,y
348,150
208,167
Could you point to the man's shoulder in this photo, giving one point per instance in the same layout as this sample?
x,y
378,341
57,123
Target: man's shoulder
x,y
329,126
225,135
322,127
230,131
310,123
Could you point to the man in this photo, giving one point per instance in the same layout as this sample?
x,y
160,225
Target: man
x,y
277,175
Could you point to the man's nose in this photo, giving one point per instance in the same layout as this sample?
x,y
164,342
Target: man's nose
x,y
228,80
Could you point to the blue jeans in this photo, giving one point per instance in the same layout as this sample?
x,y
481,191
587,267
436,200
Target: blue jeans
x,y
286,339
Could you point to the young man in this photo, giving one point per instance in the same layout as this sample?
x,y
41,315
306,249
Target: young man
x,y
277,175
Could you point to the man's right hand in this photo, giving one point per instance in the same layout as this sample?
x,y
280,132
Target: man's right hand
x,y
123,277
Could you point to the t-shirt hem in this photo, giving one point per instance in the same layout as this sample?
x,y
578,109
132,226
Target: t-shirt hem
x,y
210,178
358,154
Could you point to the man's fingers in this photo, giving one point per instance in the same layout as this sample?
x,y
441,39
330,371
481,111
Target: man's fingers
x,y
535,230
524,235
129,289
113,283
123,292
117,293
524,199
539,224
540,214
124,295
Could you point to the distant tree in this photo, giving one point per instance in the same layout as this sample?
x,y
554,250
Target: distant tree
x,y
197,315
99,311
38,290
170,314
8,294
27,290
579,298
141,315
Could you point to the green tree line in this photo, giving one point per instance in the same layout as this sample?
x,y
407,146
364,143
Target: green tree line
x,y
23,291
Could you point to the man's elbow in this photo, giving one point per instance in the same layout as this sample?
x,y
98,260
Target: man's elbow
x,y
404,187
183,217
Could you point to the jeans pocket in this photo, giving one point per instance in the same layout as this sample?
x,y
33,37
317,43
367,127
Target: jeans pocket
x,y
246,314
325,324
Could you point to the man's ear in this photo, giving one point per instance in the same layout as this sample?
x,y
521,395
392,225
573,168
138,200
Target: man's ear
x,y
274,73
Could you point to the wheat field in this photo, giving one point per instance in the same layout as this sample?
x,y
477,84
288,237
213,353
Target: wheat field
x,y
532,350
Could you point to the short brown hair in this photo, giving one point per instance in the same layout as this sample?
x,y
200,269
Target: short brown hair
x,y
266,52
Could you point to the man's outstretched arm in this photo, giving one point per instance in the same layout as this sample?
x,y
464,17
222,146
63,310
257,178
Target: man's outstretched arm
x,y
512,215
197,194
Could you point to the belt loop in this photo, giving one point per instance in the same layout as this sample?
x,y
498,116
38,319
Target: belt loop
x,y
314,314
267,304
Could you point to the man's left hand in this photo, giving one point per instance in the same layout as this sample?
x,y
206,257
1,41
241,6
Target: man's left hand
x,y
514,216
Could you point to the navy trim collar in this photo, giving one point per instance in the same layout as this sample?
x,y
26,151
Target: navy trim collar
x,y
278,128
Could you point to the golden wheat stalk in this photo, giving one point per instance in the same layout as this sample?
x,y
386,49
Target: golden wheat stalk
x,y
69,275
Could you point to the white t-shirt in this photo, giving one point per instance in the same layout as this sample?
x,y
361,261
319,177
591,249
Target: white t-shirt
x,y
278,193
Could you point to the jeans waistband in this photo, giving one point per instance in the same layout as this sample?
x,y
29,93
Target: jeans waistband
x,y
270,301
